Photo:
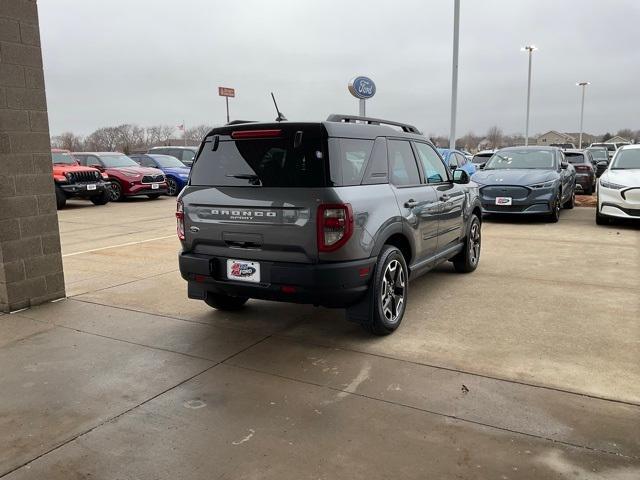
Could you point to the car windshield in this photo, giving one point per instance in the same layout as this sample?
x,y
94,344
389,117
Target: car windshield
x,y
627,159
167,161
575,158
521,159
62,157
599,154
114,161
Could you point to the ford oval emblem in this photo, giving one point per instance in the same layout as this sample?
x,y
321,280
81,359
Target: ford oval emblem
x,y
362,87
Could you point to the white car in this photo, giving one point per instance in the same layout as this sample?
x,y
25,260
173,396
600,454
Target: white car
x,y
619,186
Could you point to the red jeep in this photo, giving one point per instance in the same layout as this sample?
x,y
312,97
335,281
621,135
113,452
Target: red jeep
x,y
73,180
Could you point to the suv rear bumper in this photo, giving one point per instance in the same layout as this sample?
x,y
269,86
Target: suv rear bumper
x,y
339,284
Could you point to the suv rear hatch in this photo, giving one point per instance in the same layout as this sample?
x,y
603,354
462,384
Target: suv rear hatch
x,y
254,190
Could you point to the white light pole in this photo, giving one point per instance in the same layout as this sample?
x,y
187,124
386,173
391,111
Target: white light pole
x,y
530,49
584,87
454,75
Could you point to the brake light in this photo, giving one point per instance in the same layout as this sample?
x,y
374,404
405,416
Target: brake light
x,y
241,134
180,220
335,226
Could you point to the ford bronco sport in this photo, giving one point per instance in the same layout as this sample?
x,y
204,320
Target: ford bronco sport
x,y
340,213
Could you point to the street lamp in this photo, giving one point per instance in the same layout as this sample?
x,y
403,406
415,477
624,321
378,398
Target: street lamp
x,y
530,49
584,87
454,74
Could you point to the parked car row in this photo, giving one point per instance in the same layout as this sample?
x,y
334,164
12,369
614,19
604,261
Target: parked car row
x,y
543,180
112,176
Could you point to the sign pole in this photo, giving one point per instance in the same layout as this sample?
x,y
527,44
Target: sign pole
x,y
363,108
226,92
227,99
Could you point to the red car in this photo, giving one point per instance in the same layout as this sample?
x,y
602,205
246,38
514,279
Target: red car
x,y
72,180
128,179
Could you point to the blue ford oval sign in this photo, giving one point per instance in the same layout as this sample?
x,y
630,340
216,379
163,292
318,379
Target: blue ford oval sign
x,y
362,87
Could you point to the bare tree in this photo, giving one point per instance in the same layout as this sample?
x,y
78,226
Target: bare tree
x,y
197,133
469,141
67,141
130,137
103,139
495,135
159,134
626,133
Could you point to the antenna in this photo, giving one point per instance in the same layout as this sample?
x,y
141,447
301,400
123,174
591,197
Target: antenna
x,y
281,117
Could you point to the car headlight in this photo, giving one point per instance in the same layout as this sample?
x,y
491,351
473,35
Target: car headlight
x,y
611,185
132,175
548,184
184,175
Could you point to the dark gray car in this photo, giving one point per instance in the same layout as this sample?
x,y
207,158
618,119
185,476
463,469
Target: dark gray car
x,y
340,213
527,181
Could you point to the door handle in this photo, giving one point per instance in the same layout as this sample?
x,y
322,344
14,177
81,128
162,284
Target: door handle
x,y
410,203
444,197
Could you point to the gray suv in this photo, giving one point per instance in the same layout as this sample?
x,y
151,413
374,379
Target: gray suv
x,y
341,213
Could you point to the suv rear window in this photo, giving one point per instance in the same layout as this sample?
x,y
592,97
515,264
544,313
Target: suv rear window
x,y
574,158
266,162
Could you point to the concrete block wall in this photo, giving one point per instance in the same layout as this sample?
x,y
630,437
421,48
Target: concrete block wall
x,y
30,257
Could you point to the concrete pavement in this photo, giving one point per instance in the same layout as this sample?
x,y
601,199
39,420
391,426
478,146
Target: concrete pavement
x,y
528,368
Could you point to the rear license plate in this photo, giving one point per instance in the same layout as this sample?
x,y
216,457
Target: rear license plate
x,y
243,271
155,186
91,186
503,200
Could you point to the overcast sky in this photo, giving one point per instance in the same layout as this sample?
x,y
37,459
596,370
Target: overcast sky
x,y
160,61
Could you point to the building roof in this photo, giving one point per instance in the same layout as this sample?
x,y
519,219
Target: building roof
x,y
617,139
566,136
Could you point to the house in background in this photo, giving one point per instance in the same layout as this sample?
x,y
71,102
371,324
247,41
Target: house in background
x,y
553,136
618,139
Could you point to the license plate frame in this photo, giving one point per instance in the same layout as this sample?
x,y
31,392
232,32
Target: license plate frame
x,y
155,186
504,201
243,270
91,186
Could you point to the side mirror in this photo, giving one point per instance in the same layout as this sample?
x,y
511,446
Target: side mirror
x,y
481,166
564,165
453,166
602,164
460,176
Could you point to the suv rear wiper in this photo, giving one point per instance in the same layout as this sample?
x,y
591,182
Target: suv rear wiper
x,y
253,179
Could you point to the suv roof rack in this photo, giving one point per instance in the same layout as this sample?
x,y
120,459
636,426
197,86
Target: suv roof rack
x,y
336,117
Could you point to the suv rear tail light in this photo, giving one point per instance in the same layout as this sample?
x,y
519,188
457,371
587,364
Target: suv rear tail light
x,y
180,220
583,168
335,226
240,134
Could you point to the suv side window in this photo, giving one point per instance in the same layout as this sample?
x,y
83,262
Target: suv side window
x,y
462,160
92,161
402,163
377,169
145,161
187,156
348,157
453,160
434,168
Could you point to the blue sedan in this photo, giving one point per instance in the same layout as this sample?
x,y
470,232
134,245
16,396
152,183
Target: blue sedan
x,y
456,159
177,173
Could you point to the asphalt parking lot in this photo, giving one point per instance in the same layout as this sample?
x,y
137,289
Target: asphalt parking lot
x,y
527,368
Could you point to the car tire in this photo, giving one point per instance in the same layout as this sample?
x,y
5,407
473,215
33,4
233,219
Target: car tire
x,y
172,185
467,260
61,198
154,196
569,204
115,192
554,216
390,288
101,199
220,301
